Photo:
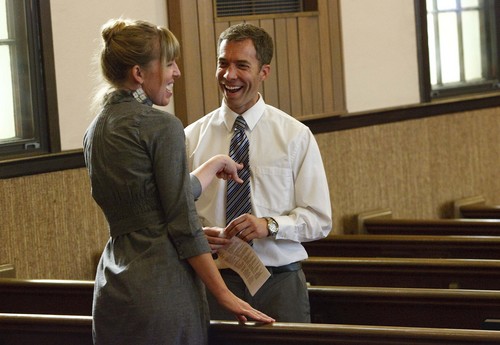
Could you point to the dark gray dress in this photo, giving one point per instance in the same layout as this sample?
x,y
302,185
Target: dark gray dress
x,y
145,292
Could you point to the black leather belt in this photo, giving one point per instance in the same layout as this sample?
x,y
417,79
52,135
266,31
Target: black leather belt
x,y
294,266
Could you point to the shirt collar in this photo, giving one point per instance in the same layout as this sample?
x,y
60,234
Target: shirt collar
x,y
251,116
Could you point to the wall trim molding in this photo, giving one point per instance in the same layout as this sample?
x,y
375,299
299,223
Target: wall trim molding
x,y
405,113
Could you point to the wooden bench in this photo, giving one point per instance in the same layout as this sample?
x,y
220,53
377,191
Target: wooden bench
x,y
26,329
380,222
7,271
399,246
229,333
439,227
404,272
475,207
480,211
77,330
410,307
329,304
64,297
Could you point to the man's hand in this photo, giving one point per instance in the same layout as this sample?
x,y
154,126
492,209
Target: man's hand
x,y
214,238
247,227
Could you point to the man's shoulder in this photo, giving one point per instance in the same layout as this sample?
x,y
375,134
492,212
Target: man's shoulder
x,y
201,122
282,118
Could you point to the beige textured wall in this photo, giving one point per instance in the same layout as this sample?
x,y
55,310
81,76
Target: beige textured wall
x,y
415,168
51,228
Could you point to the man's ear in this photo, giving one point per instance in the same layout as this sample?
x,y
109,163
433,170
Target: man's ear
x,y
265,70
136,74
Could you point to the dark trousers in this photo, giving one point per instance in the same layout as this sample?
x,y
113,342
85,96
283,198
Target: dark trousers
x,y
283,296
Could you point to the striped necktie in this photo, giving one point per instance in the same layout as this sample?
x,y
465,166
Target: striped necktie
x,y
238,195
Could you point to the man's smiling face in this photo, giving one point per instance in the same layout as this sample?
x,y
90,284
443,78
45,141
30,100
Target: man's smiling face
x,y
239,74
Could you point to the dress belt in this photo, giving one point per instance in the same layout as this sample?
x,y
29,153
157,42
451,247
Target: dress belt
x,y
294,266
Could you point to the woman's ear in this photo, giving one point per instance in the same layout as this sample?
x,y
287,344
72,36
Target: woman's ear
x,y
136,74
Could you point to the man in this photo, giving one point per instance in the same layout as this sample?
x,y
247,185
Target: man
x,y
289,198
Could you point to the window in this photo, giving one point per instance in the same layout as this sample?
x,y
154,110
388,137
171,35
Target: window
x,y
459,46
28,107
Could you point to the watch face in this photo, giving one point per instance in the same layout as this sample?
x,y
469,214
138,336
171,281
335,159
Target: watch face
x,y
272,226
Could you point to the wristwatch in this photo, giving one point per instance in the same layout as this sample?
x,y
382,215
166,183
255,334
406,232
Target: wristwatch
x,y
272,226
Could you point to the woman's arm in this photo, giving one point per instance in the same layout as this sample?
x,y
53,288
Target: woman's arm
x,y
205,267
221,166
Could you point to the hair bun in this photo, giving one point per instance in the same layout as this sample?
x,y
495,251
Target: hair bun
x,y
112,28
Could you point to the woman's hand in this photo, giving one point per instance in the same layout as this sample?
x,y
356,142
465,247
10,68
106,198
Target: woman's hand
x,y
241,309
221,166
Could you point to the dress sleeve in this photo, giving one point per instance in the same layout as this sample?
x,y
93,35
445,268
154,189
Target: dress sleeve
x,y
164,134
195,186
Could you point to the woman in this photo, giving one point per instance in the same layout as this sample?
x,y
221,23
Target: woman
x,y
148,288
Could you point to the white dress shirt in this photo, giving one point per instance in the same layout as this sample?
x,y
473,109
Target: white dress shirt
x,y
288,180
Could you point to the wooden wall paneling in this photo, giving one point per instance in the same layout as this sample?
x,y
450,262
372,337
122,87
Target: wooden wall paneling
x,y
294,67
306,79
336,54
326,57
175,25
192,57
306,58
219,28
310,66
281,62
262,88
271,83
208,48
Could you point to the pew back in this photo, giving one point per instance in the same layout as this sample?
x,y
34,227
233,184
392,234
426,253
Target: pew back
x,y
7,271
22,329
417,307
438,227
404,272
26,329
229,333
410,307
480,211
64,297
406,246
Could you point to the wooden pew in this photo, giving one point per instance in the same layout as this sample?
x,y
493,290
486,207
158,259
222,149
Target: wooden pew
x,y
399,246
410,307
26,329
64,297
7,271
329,304
229,333
404,272
77,330
480,211
475,207
439,227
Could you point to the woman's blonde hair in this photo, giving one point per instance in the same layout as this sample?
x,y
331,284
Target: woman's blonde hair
x,y
128,43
